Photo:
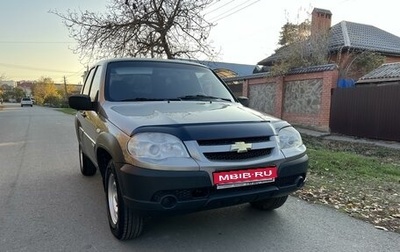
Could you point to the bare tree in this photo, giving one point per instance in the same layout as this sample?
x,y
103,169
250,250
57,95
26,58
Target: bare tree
x,y
291,33
300,48
141,28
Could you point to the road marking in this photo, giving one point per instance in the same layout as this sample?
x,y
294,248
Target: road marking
x,y
12,143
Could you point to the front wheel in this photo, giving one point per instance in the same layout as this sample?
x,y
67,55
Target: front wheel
x,y
124,223
269,204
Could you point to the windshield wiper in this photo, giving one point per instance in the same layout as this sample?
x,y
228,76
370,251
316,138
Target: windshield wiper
x,y
141,99
149,99
203,97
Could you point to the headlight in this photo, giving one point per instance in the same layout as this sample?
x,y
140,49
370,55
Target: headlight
x,y
156,146
289,137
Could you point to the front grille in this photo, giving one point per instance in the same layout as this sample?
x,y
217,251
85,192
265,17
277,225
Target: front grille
x,y
225,149
233,140
230,156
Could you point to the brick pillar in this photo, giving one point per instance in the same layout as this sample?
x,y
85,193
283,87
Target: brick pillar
x,y
245,88
330,82
280,96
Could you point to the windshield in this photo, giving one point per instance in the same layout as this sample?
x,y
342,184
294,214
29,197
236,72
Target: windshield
x,y
154,81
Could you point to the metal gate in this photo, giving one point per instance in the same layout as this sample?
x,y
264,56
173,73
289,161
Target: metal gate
x,y
367,111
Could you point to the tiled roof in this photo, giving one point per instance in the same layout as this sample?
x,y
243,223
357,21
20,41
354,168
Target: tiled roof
x,y
300,70
239,69
313,69
384,73
349,35
273,57
365,37
247,77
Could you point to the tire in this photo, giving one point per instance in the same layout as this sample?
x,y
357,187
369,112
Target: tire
x,y
86,166
124,223
269,204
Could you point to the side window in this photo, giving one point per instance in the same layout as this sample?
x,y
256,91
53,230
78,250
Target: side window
x,y
95,84
88,81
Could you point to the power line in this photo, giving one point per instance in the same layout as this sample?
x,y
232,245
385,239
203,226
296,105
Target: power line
x,y
36,42
219,7
213,3
220,17
78,73
35,68
221,14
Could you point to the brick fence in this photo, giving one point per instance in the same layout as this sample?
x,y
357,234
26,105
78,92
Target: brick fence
x,y
302,97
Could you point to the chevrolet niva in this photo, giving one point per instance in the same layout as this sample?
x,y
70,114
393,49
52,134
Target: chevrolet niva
x,y
169,137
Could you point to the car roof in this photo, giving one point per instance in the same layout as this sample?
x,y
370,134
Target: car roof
x,y
180,61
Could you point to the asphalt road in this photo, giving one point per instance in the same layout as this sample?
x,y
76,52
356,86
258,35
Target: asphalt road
x,y
46,205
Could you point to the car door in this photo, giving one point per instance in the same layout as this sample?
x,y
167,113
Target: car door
x,y
88,119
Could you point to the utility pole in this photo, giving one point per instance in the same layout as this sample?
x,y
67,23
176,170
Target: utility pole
x,y
65,89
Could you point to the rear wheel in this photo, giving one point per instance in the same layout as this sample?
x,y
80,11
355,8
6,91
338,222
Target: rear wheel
x,y
124,223
87,167
269,204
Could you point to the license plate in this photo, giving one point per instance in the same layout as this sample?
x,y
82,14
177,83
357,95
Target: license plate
x,y
246,177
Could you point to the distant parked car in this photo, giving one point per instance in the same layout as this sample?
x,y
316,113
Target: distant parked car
x,y
26,101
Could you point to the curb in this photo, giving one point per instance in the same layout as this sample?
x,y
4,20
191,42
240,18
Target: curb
x,y
350,139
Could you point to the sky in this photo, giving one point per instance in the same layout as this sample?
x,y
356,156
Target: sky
x,y
35,43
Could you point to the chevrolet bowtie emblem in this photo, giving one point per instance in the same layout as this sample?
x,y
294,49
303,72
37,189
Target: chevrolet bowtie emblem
x,y
240,147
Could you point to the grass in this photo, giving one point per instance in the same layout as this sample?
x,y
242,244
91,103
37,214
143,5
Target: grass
x,y
362,180
68,111
352,166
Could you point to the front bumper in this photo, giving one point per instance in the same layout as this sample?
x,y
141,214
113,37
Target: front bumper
x,y
171,192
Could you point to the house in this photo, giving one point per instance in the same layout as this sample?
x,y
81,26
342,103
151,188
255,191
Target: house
x,y
71,88
370,109
346,40
227,70
386,74
309,96
8,84
26,86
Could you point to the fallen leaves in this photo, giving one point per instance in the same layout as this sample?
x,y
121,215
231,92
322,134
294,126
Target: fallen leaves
x,y
375,204
374,199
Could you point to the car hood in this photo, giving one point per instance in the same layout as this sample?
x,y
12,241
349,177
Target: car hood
x,y
129,116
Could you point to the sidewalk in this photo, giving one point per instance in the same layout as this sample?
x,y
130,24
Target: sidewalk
x,y
327,135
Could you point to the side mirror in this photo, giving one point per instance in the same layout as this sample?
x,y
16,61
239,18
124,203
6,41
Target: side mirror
x,y
80,102
243,100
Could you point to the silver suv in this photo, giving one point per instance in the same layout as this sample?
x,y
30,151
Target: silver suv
x,y
26,101
169,137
